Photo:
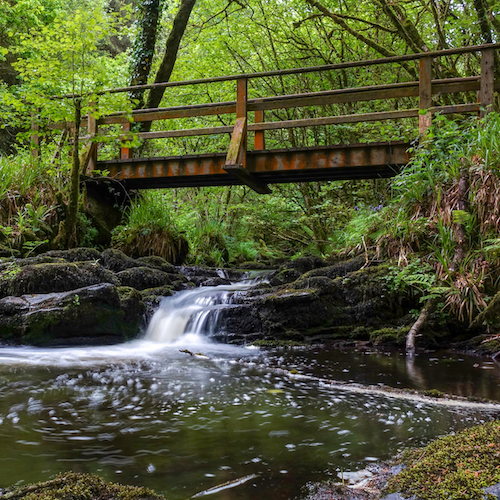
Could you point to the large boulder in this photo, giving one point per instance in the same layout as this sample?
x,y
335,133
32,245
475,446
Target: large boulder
x,y
52,277
97,314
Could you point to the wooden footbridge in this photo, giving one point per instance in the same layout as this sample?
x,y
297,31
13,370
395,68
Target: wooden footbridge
x,y
257,167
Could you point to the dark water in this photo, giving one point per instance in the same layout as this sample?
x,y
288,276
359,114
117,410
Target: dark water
x,y
147,414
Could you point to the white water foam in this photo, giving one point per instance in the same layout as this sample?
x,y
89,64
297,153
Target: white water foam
x,y
193,312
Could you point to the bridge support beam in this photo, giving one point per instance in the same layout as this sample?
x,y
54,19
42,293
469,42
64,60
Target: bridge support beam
x,y
236,160
358,161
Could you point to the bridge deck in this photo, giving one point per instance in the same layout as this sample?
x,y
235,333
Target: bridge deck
x,y
354,161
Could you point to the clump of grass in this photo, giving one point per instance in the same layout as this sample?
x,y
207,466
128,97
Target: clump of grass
x,y
456,467
149,230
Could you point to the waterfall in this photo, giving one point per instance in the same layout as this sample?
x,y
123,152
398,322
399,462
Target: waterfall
x,y
194,312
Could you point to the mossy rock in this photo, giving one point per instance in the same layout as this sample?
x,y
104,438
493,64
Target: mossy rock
x,y
131,302
456,467
116,260
339,269
98,314
157,263
75,254
141,278
73,486
56,277
277,343
393,336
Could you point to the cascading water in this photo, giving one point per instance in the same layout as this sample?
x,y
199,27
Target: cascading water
x,y
195,313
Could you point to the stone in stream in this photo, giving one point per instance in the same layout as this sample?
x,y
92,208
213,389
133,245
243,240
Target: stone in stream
x,y
98,314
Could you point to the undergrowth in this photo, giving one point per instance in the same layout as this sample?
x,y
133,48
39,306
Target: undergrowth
x,y
456,467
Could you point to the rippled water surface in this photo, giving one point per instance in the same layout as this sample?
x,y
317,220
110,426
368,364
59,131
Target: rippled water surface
x,y
148,414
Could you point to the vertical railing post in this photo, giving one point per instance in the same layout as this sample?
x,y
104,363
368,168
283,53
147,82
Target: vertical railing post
x,y
35,137
425,94
260,140
487,88
241,112
92,132
125,150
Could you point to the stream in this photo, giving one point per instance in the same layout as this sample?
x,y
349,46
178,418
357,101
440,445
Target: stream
x,y
179,413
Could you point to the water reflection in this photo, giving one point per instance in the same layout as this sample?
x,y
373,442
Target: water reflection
x,y
147,413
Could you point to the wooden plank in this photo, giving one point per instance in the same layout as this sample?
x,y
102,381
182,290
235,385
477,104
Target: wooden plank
x,y
237,143
172,113
189,132
425,94
259,140
302,70
366,117
336,96
486,92
125,150
92,128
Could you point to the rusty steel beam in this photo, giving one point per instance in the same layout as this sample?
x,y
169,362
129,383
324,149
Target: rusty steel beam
x,y
358,161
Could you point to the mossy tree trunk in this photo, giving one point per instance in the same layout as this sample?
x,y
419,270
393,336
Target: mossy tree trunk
x,y
66,237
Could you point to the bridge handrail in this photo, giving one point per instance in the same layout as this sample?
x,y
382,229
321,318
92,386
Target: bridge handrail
x,y
292,71
424,88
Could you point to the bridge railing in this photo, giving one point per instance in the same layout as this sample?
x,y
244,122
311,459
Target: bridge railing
x,y
477,93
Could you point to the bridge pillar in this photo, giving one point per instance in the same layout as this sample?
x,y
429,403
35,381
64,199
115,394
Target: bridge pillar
x,y
487,88
125,151
425,94
236,160
92,132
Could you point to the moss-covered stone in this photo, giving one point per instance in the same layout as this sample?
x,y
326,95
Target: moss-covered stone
x,y
277,343
141,278
73,486
394,336
456,467
98,314
56,277
116,260
75,254
157,263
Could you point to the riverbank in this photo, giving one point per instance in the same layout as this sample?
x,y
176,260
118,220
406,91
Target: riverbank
x,y
87,297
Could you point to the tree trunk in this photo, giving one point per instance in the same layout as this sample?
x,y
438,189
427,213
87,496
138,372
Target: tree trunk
x,y
463,206
426,312
148,14
74,193
170,56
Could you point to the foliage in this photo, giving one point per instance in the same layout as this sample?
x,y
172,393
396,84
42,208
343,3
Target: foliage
x,y
456,467
149,230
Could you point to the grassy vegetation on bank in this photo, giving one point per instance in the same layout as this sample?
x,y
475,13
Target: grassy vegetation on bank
x,y
455,467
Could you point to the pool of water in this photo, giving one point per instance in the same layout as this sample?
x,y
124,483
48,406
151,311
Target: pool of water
x,y
151,414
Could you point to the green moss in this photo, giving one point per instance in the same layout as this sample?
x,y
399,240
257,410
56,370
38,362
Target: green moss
x,y
433,393
389,335
277,343
72,486
456,467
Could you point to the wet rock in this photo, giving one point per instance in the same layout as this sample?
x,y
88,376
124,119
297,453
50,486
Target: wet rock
x,y
116,260
53,277
238,325
75,254
141,278
92,315
340,268
157,263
